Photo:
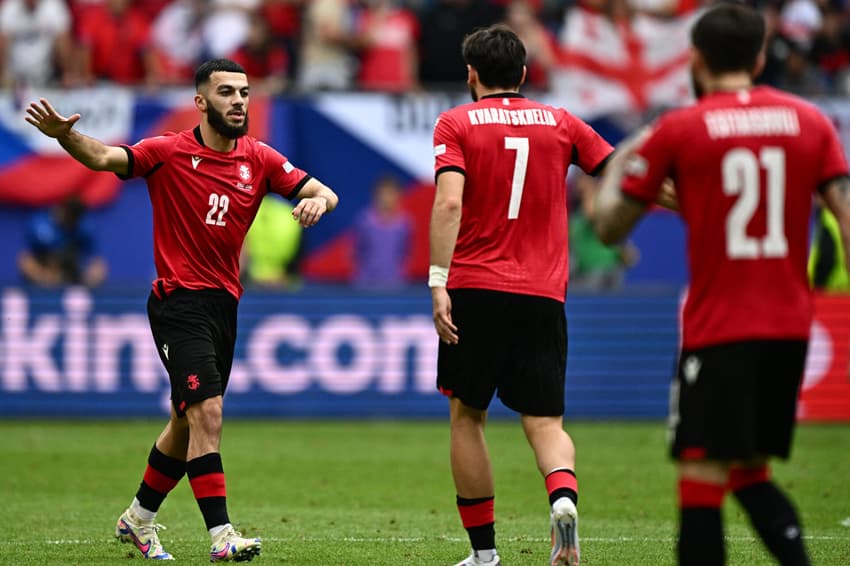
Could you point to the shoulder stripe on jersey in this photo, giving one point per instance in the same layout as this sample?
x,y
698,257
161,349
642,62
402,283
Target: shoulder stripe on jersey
x,y
298,187
822,187
130,164
598,169
154,169
448,168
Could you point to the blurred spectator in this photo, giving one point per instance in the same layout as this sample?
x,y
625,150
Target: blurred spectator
x,y
593,265
540,45
61,248
264,61
382,239
831,51
827,267
326,60
387,36
799,21
284,19
444,24
271,246
777,47
227,24
115,43
177,39
35,43
799,76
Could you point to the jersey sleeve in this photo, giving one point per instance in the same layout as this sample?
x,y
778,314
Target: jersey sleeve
x,y
834,160
448,149
646,170
282,177
147,155
590,150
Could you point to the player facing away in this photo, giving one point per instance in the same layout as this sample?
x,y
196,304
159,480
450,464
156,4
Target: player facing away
x,y
745,162
205,186
498,279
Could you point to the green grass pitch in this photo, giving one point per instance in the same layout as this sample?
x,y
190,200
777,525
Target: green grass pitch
x,y
380,493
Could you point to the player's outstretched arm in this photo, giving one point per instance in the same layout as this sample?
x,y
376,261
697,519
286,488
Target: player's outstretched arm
x,y
615,215
316,200
90,152
836,196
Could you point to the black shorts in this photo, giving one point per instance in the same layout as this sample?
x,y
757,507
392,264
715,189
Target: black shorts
x,y
736,401
512,344
195,334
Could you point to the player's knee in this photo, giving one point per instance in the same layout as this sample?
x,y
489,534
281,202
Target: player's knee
x,y
206,415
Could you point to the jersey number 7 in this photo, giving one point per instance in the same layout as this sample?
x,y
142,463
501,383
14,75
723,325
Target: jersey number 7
x,y
520,145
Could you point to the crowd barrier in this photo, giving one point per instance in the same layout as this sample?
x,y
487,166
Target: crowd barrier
x,y
329,353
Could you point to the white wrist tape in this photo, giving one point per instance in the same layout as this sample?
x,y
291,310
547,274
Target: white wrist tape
x,y
438,276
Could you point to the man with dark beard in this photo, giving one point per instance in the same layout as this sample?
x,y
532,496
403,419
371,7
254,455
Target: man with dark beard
x,y
205,187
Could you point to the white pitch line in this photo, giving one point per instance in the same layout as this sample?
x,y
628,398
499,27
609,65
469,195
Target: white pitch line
x,y
604,540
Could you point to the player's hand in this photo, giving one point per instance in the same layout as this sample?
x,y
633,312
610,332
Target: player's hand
x,y
310,210
52,124
443,315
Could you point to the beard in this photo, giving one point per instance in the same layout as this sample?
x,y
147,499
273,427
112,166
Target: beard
x,y
473,94
218,123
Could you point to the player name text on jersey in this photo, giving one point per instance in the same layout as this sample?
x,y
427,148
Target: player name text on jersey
x,y
758,121
522,117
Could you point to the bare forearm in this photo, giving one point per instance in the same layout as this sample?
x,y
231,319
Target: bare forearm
x,y
316,189
90,152
837,198
445,223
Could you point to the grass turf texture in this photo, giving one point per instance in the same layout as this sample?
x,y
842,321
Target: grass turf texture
x,y
380,493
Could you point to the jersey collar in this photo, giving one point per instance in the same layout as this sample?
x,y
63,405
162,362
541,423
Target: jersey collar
x,y
200,139
502,95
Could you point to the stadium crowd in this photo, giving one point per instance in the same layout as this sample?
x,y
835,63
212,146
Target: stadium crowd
x,y
379,45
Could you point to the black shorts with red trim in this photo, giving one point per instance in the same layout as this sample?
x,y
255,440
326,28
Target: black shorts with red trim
x,y
509,344
736,401
195,335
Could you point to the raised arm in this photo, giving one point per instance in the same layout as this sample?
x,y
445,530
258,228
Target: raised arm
x,y
316,200
92,153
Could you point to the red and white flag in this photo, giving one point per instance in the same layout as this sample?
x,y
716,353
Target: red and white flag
x,y
614,67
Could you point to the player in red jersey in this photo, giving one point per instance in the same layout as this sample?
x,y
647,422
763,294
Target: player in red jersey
x,y
205,186
498,279
746,162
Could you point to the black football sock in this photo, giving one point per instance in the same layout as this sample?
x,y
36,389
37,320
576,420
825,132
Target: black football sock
x,y
479,520
776,522
700,524
162,474
206,475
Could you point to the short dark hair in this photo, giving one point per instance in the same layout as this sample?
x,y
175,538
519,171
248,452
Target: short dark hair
x,y
729,37
497,54
202,74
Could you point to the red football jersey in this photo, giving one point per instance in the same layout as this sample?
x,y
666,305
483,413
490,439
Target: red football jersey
x,y
204,202
745,165
514,154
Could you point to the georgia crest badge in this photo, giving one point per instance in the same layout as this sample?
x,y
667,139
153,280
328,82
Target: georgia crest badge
x,y
244,182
